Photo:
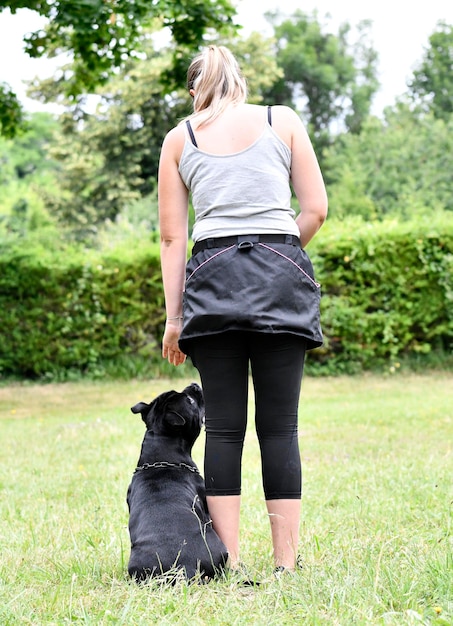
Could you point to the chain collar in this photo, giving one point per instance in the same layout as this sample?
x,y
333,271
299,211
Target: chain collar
x,y
161,464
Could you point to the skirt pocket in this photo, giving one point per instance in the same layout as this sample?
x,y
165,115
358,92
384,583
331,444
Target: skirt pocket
x,y
205,263
298,259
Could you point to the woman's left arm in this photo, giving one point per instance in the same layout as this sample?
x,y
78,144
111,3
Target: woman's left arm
x,y
173,221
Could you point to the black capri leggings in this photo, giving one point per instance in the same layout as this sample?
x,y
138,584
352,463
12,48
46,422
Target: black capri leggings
x,y
277,362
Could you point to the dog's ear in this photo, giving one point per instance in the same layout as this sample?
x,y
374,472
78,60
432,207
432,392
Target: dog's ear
x,y
174,419
140,407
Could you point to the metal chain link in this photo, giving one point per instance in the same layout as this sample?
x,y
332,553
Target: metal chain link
x,y
162,464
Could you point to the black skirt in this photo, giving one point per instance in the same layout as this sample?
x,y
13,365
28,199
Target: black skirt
x,y
263,287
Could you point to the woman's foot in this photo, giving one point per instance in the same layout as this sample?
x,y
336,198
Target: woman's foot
x,y
241,576
281,570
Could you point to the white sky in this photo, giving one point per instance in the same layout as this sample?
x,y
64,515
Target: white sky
x,y
400,32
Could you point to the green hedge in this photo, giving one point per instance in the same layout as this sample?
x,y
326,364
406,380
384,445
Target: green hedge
x,y
78,313
387,294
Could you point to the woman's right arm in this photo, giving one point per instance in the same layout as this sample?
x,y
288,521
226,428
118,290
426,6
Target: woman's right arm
x,y
306,177
308,183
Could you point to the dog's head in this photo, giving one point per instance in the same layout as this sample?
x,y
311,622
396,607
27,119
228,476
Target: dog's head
x,y
174,414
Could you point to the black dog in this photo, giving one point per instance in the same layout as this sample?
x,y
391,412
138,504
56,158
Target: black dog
x,y
169,523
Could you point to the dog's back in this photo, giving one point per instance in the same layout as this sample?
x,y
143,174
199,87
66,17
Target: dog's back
x,y
169,523
170,527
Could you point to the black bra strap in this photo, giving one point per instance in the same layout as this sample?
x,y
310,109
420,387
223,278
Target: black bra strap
x,y
269,115
192,136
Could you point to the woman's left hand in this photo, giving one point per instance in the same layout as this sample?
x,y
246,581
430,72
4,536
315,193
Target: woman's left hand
x,y
170,347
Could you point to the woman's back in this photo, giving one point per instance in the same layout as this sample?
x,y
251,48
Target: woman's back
x,y
239,179
237,128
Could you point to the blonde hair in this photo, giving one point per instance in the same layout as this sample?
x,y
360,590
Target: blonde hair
x,y
217,81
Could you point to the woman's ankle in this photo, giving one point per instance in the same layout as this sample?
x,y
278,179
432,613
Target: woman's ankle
x,y
224,512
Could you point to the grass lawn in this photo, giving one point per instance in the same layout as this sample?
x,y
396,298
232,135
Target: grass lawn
x,y
375,540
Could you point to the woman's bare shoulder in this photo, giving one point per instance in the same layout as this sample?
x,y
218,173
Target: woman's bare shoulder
x,y
176,134
174,140
284,112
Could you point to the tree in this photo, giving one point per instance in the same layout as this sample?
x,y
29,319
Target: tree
x,y
28,153
102,34
11,114
26,175
331,81
400,166
109,157
432,82
257,60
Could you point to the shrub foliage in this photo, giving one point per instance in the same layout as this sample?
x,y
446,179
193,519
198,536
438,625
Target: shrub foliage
x,y
77,314
387,293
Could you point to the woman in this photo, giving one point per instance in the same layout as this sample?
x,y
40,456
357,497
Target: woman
x,y
250,298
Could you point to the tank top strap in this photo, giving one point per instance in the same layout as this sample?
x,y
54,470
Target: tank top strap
x,y
192,136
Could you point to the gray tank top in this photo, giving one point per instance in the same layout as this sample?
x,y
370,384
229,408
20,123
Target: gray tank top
x,y
247,192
